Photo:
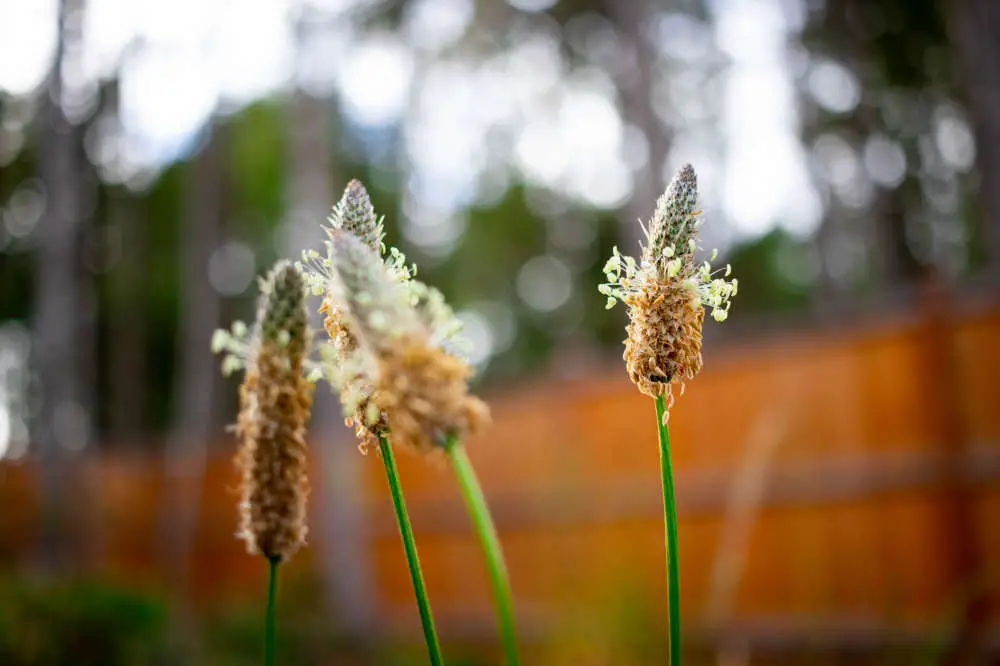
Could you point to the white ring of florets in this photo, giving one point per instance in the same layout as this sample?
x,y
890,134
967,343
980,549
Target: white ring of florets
x,y
625,275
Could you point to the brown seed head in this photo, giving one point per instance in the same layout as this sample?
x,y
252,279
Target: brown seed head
x,y
424,394
663,346
366,308
368,423
275,403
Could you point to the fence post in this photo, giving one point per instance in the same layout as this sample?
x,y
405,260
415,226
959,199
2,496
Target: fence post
x,y
956,498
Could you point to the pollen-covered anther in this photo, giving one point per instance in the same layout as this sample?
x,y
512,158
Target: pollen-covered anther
x,y
335,325
424,393
369,424
366,420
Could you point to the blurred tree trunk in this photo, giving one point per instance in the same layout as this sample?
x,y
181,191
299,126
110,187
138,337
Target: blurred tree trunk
x,y
830,296
635,89
339,513
974,29
895,260
61,296
197,383
128,320
891,252
846,31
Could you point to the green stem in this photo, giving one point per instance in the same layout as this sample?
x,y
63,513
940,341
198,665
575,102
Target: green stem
x,y
410,548
670,522
483,523
272,593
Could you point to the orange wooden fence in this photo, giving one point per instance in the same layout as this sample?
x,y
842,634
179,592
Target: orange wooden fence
x,y
840,484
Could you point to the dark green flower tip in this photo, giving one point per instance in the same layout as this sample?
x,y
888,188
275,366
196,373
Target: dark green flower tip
x,y
673,231
281,312
355,214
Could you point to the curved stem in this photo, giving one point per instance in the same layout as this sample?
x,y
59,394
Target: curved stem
x,y
270,618
476,505
410,548
670,522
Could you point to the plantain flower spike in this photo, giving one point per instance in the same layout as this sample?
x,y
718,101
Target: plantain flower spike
x,y
275,403
355,214
413,382
347,365
667,292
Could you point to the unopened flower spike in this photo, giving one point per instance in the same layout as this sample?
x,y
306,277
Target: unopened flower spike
x,y
352,214
275,404
667,291
355,214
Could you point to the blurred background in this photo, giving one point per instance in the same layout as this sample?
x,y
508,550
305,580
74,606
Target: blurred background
x,y
838,460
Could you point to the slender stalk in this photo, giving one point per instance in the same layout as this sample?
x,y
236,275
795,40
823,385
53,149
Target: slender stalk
x,y
410,548
670,522
476,505
269,623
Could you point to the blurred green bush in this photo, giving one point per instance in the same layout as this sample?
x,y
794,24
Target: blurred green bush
x,y
79,624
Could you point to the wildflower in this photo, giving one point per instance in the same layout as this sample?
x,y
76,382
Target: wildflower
x,y
411,381
350,367
354,215
275,403
396,362
667,292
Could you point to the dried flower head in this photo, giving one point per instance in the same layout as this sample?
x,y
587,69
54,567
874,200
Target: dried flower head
x,y
424,392
400,372
667,291
275,402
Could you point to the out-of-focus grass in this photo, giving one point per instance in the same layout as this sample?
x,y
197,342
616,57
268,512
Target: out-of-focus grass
x,y
79,624
92,623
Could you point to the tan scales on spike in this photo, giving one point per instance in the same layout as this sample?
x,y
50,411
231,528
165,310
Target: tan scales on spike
x,y
275,403
666,293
